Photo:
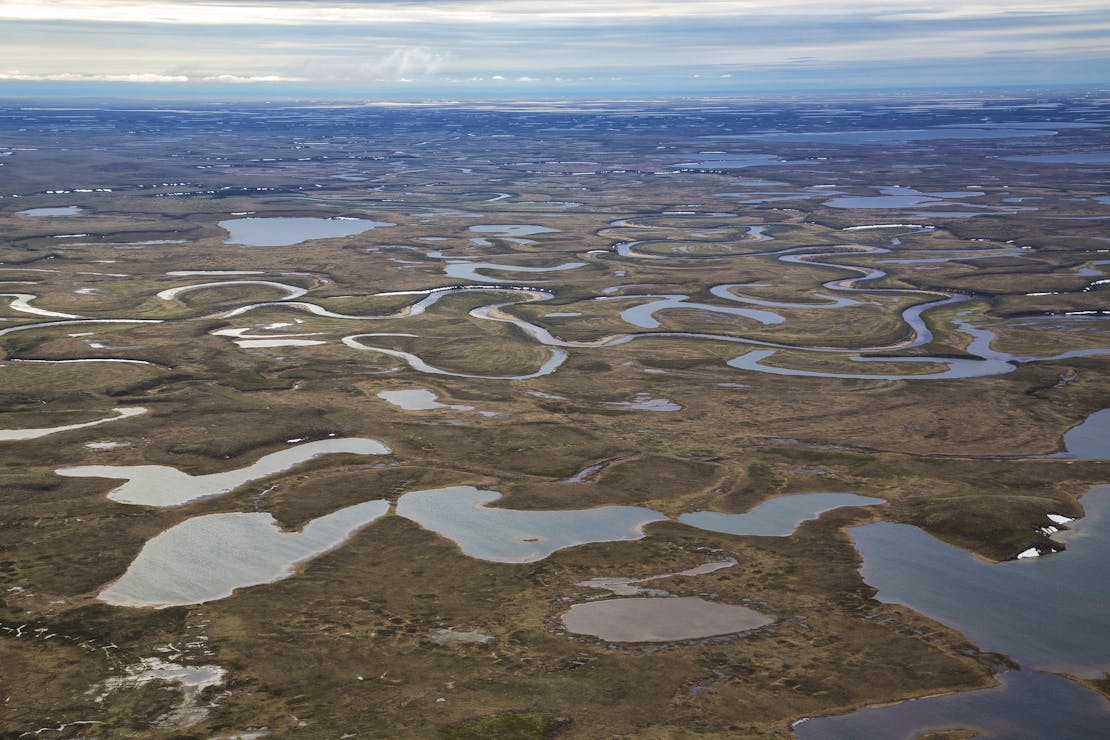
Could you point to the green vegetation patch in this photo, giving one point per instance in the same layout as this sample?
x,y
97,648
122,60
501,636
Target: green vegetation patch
x,y
517,726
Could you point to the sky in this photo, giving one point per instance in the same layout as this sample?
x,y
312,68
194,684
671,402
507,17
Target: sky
x,y
537,48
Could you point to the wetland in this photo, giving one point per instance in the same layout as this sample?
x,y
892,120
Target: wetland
x,y
737,418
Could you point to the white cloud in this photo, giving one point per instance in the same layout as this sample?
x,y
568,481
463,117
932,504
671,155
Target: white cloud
x,y
78,77
240,79
295,12
383,41
403,64
140,77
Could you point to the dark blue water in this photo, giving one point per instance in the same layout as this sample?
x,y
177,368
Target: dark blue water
x,y
1027,706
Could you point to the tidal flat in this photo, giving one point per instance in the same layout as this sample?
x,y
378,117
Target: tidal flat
x,y
359,445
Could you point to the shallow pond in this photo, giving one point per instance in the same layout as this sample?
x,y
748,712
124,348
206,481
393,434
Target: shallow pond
x,y
15,435
645,402
283,232
660,619
618,586
207,557
44,212
419,399
160,485
463,514
777,517
512,230
469,270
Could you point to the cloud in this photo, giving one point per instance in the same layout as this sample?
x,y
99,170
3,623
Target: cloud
x,y
494,42
141,77
400,64
77,77
301,12
242,79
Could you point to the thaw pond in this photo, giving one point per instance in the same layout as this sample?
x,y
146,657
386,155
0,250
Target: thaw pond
x,y
419,399
512,230
17,435
469,270
160,485
462,514
1028,705
778,517
1091,439
1047,613
899,197
284,232
45,212
630,586
645,402
207,557
660,619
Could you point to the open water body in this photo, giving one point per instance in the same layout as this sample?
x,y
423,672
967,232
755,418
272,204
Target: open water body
x,y
431,296
778,517
726,291
17,435
550,365
899,197
292,291
512,230
895,136
469,270
1027,706
643,315
1091,439
463,514
733,161
419,399
660,619
284,232
161,485
645,402
1048,613
1071,158
207,557
956,368
46,212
